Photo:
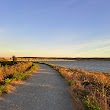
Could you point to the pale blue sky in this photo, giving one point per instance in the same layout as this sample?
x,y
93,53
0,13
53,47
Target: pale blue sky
x,y
56,28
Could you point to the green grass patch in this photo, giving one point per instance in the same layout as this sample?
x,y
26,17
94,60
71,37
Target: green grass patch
x,y
71,82
91,104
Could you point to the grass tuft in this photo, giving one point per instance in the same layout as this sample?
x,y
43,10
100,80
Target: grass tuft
x,y
6,85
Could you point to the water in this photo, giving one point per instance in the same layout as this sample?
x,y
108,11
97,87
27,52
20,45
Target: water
x,y
101,66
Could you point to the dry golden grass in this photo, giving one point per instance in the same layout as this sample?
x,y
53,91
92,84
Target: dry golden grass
x,y
9,71
10,88
21,73
91,88
14,82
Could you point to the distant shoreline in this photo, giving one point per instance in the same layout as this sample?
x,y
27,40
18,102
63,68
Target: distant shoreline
x,y
62,59
56,59
65,59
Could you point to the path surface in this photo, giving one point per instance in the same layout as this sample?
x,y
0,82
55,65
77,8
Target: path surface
x,y
45,90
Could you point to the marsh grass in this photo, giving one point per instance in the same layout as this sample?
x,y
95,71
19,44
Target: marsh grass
x,y
7,83
91,89
8,71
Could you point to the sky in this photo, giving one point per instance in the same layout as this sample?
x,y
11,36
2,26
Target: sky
x,y
55,28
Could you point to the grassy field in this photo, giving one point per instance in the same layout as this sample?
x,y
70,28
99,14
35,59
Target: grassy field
x,y
10,74
90,90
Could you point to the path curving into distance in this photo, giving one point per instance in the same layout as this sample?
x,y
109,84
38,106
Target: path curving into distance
x,y
44,90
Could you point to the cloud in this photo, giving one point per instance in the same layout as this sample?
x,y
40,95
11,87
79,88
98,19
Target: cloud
x,y
95,48
95,44
104,49
91,48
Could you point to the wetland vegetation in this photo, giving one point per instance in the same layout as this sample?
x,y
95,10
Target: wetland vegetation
x,y
89,89
12,72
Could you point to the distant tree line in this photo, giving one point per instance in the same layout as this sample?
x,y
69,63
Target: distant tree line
x,y
60,58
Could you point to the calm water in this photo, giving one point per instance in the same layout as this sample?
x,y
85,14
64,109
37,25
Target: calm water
x,y
102,66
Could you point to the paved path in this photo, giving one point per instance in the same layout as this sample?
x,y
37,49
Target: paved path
x,y
45,90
